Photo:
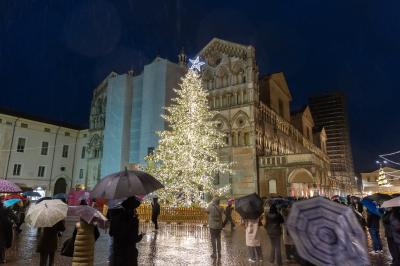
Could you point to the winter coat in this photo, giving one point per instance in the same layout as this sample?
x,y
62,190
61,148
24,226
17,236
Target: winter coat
x,y
6,231
228,212
273,224
395,228
214,216
287,239
49,237
85,235
124,229
373,221
155,209
252,234
386,225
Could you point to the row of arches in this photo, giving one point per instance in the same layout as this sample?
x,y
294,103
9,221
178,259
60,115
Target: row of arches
x,y
229,99
223,76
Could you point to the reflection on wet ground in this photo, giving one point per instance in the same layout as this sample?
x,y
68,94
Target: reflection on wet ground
x,y
171,245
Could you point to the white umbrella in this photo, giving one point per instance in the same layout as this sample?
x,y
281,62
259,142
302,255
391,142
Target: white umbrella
x,y
46,213
391,203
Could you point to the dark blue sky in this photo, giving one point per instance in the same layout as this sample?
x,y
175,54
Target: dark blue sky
x,y
54,53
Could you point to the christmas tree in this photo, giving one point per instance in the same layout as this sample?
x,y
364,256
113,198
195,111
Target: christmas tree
x,y
186,159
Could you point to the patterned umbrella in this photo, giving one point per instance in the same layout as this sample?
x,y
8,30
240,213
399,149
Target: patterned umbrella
x,y
125,184
46,213
327,233
88,214
8,187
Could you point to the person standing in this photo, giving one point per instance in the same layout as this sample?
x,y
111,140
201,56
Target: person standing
x,y
253,242
386,219
287,239
373,228
394,220
273,224
155,211
85,236
6,233
215,224
124,229
47,244
228,215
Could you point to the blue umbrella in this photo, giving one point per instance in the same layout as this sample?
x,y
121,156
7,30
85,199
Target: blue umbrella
x,y
60,196
10,202
371,206
31,194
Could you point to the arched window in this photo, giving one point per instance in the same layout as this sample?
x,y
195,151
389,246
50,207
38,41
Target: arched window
x,y
272,186
234,139
246,139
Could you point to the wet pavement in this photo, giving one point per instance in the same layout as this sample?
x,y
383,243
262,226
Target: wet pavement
x,y
171,245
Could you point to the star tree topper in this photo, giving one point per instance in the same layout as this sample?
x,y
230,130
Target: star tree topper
x,y
196,64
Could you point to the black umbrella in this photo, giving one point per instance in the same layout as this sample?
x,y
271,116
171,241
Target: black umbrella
x,y
327,233
379,197
31,194
279,202
250,206
125,184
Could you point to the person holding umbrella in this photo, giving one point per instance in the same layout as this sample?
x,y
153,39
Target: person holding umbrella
x,y
373,224
395,227
250,208
47,244
85,236
215,224
124,229
228,215
253,242
6,233
273,224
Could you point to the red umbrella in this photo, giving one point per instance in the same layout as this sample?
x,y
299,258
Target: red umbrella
x,y
15,196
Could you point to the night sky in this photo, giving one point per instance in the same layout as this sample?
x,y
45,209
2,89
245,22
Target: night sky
x,y
54,53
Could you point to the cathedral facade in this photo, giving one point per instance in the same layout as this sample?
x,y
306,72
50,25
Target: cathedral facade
x,y
274,151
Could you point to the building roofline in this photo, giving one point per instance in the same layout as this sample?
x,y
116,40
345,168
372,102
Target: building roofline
x,y
7,111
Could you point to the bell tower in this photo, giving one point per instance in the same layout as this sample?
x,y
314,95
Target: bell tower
x,y
182,58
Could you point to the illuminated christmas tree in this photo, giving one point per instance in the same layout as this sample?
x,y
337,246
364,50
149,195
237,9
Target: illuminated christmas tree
x,y
382,180
186,159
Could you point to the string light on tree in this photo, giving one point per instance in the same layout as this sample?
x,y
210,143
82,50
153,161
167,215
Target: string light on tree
x,y
382,180
186,159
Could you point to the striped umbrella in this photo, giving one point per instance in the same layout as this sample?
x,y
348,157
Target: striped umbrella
x,y
8,187
327,233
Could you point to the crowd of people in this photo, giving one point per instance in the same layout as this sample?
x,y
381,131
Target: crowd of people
x,y
274,221
124,232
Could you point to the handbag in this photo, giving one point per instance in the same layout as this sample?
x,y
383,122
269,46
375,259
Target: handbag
x,y
68,247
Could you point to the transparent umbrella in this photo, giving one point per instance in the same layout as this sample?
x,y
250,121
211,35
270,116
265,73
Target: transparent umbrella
x,y
46,213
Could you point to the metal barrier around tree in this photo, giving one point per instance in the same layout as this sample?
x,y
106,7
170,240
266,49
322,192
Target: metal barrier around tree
x,y
192,215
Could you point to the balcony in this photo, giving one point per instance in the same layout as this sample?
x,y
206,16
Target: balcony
x,y
289,160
